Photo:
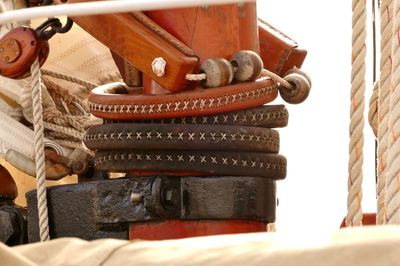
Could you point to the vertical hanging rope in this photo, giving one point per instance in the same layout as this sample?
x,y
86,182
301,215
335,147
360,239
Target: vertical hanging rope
x,y
39,151
354,214
392,195
383,103
271,228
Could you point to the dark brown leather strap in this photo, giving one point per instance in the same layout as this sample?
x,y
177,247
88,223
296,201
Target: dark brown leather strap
x,y
269,116
212,163
111,101
8,188
181,137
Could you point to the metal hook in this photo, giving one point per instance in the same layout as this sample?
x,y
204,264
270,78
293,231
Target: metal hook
x,y
83,111
55,25
43,32
57,148
65,107
63,29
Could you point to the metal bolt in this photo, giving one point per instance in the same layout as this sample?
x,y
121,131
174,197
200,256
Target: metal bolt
x,y
11,43
136,198
7,58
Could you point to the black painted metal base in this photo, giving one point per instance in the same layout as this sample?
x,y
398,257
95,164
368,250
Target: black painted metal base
x,y
105,208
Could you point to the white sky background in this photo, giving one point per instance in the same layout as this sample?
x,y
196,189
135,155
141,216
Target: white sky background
x,y
313,197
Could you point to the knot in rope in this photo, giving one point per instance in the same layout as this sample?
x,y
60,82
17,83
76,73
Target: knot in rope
x,y
158,66
51,114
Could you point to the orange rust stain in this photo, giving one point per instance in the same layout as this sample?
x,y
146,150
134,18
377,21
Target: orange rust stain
x,y
354,102
382,163
394,135
357,151
398,182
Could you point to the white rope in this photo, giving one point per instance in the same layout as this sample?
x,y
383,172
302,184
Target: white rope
x,y
276,78
264,73
354,214
271,228
84,83
104,7
65,131
383,103
392,194
196,77
39,152
373,109
158,66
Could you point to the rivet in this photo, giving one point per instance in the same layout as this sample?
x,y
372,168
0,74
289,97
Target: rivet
x,y
7,58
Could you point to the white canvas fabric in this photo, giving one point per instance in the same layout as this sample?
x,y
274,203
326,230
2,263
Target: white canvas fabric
x,y
76,54
18,137
367,246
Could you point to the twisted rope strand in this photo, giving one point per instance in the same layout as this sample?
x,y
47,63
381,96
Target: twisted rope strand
x,y
392,195
354,215
271,227
84,83
383,104
39,152
65,131
373,109
276,78
62,94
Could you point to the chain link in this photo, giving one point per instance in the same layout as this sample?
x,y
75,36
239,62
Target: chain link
x,y
52,26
